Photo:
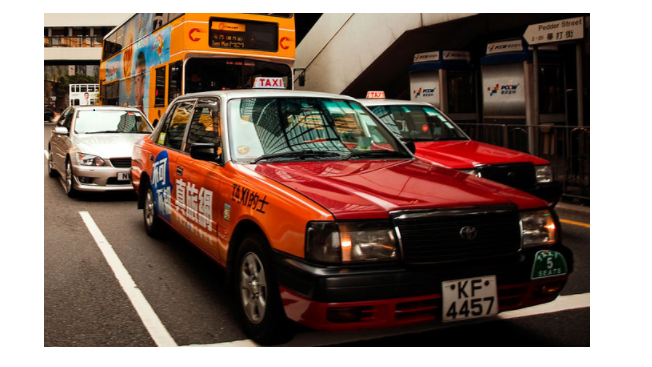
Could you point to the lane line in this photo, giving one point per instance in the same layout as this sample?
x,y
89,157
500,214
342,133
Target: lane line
x,y
581,224
152,323
562,303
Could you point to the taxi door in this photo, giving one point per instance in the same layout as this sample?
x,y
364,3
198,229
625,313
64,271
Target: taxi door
x,y
196,185
164,156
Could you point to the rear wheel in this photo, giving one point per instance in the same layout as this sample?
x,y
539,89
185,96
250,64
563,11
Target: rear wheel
x,y
51,171
261,310
153,223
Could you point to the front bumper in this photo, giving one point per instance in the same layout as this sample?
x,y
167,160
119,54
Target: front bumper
x,y
383,296
100,178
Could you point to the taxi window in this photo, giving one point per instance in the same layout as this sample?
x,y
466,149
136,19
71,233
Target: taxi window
x,y
175,125
205,125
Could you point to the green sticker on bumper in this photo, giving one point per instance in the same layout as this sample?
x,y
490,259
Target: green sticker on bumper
x,y
548,264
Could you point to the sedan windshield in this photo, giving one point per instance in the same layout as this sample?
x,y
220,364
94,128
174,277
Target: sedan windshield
x,y
418,123
98,121
282,129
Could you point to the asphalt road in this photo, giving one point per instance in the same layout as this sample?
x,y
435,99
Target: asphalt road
x,y
86,305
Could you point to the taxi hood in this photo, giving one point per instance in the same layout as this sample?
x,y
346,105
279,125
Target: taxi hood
x,y
372,188
468,153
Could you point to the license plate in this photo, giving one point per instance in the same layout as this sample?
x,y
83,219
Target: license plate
x,y
124,176
470,298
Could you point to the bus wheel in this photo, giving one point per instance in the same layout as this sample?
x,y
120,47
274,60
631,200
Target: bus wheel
x,y
260,307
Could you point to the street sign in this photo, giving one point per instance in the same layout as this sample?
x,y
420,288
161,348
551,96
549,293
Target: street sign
x,y
557,31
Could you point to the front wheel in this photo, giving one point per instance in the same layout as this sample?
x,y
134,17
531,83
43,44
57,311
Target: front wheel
x,y
69,181
261,310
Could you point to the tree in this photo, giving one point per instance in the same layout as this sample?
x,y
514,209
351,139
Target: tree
x,y
65,81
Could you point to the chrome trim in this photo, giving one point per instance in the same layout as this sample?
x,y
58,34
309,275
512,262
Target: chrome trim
x,y
447,212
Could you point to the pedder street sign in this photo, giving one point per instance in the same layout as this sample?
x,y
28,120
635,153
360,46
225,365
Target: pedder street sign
x,y
556,31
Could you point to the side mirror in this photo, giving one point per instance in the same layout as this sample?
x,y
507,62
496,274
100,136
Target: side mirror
x,y
61,130
302,76
204,151
411,146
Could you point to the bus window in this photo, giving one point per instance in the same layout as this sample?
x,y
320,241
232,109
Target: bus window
x,y
83,88
204,74
174,81
159,93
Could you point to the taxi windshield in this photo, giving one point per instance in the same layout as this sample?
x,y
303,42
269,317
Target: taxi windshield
x,y
110,121
281,129
418,123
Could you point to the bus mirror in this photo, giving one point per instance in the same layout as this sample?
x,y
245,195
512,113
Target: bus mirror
x,y
302,76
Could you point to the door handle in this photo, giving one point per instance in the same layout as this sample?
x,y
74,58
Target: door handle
x,y
179,171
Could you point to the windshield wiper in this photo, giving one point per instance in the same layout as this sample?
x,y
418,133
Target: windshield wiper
x,y
302,154
454,138
376,153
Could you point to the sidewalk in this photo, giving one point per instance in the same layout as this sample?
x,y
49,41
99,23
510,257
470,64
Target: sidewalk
x,y
580,213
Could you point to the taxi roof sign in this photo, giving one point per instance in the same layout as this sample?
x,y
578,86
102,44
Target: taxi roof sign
x,y
268,83
375,94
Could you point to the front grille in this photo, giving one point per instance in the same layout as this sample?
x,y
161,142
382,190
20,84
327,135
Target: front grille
x,y
518,175
435,237
121,162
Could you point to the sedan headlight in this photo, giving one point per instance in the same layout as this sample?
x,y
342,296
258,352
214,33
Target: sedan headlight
x,y
90,160
544,173
347,242
538,228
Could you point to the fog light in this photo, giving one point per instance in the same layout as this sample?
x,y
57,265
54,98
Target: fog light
x,y
348,314
85,180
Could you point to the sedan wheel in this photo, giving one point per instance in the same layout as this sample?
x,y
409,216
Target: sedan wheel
x,y
70,190
153,224
51,171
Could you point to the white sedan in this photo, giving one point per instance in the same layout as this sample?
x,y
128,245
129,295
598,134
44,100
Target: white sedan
x,y
90,147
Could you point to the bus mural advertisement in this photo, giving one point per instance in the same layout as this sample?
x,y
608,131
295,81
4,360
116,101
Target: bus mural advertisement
x,y
152,58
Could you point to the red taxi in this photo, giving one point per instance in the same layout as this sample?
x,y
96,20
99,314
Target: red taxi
x,y
440,141
320,215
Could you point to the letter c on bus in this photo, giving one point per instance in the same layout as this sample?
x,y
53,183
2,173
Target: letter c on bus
x,y
193,31
281,43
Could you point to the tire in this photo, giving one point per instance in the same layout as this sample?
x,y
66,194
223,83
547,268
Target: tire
x,y
259,301
51,171
153,224
69,180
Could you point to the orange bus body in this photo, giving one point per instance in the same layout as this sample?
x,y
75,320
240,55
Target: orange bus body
x,y
150,59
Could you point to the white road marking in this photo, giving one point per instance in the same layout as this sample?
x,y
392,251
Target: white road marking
x,y
152,323
562,303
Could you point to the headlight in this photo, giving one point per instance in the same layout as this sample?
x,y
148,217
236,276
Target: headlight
x,y
336,243
89,160
544,173
538,228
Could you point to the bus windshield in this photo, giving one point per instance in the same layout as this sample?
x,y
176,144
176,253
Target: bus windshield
x,y
205,74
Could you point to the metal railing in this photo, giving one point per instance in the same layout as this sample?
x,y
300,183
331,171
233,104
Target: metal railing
x,y
566,147
82,41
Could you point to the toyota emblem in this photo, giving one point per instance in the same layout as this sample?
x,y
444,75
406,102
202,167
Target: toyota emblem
x,y
468,233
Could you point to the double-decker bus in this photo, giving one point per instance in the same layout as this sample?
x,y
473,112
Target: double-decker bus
x,y
153,58
83,94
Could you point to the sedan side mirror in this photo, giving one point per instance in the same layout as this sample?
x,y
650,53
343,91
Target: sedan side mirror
x,y
205,151
61,130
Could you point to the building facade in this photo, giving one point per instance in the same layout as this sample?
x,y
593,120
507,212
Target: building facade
x,y
73,46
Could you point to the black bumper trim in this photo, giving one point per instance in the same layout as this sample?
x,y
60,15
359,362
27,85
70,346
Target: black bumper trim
x,y
395,280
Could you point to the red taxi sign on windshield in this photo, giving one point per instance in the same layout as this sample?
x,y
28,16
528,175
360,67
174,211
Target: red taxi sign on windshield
x,y
269,83
376,94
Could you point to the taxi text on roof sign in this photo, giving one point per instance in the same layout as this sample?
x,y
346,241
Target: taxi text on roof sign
x,y
376,94
269,83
